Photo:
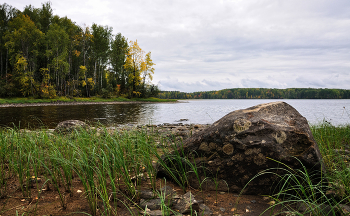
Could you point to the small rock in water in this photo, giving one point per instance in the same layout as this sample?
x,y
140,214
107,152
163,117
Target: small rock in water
x,y
253,201
222,209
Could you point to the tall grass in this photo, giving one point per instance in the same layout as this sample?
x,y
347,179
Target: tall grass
x,y
301,193
334,145
112,166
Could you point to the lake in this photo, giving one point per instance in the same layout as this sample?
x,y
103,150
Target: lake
x,y
196,111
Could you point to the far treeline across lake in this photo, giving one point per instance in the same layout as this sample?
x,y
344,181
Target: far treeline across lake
x,y
260,93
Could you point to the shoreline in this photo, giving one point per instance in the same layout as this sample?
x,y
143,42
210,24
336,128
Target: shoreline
x,y
61,103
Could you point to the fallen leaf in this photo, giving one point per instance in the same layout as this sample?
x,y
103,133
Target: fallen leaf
x,y
79,191
271,202
22,200
266,198
233,209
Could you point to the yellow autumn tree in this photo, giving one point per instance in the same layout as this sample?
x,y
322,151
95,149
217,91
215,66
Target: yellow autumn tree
x,y
134,64
148,69
139,67
23,78
46,89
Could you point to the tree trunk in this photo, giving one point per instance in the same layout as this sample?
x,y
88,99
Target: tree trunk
x,y
86,86
99,68
133,81
1,64
57,79
7,56
95,72
122,81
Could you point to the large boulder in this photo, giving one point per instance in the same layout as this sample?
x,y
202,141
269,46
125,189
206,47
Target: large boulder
x,y
70,125
246,142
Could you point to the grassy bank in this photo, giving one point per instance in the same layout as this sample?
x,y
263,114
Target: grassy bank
x,y
109,168
302,194
90,99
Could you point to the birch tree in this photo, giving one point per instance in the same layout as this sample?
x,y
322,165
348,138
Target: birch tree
x,y
119,51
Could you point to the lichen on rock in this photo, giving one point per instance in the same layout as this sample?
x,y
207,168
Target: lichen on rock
x,y
245,142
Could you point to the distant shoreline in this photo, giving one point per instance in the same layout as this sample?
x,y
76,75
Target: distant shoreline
x,y
60,103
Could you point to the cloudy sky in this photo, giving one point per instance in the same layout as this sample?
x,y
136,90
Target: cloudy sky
x,y
202,45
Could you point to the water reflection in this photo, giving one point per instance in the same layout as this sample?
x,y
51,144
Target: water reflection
x,y
50,116
197,111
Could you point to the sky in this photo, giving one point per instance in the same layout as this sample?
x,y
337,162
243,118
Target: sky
x,y
204,45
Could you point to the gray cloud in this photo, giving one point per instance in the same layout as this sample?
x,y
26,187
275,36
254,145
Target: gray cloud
x,y
211,45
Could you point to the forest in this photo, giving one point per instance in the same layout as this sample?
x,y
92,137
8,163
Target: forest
x,y
43,56
260,93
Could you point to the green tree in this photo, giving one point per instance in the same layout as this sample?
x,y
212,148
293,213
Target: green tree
x,y
84,40
23,39
119,51
57,41
102,36
73,31
7,13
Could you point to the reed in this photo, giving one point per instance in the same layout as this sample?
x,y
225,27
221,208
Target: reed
x,y
334,145
298,189
112,166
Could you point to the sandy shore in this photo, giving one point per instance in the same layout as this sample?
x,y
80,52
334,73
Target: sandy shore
x,y
76,103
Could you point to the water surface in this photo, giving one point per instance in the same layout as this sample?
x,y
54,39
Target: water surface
x,y
196,111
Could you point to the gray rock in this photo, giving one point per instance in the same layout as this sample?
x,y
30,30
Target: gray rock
x,y
167,191
154,204
146,194
187,204
204,210
238,146
70,125
303,207
345,209
153,213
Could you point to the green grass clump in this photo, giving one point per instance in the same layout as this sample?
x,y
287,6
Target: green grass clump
x,y
110,165
334,145
300,193
104,163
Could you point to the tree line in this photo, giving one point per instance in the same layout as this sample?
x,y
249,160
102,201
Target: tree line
x,y
260,93
43,55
